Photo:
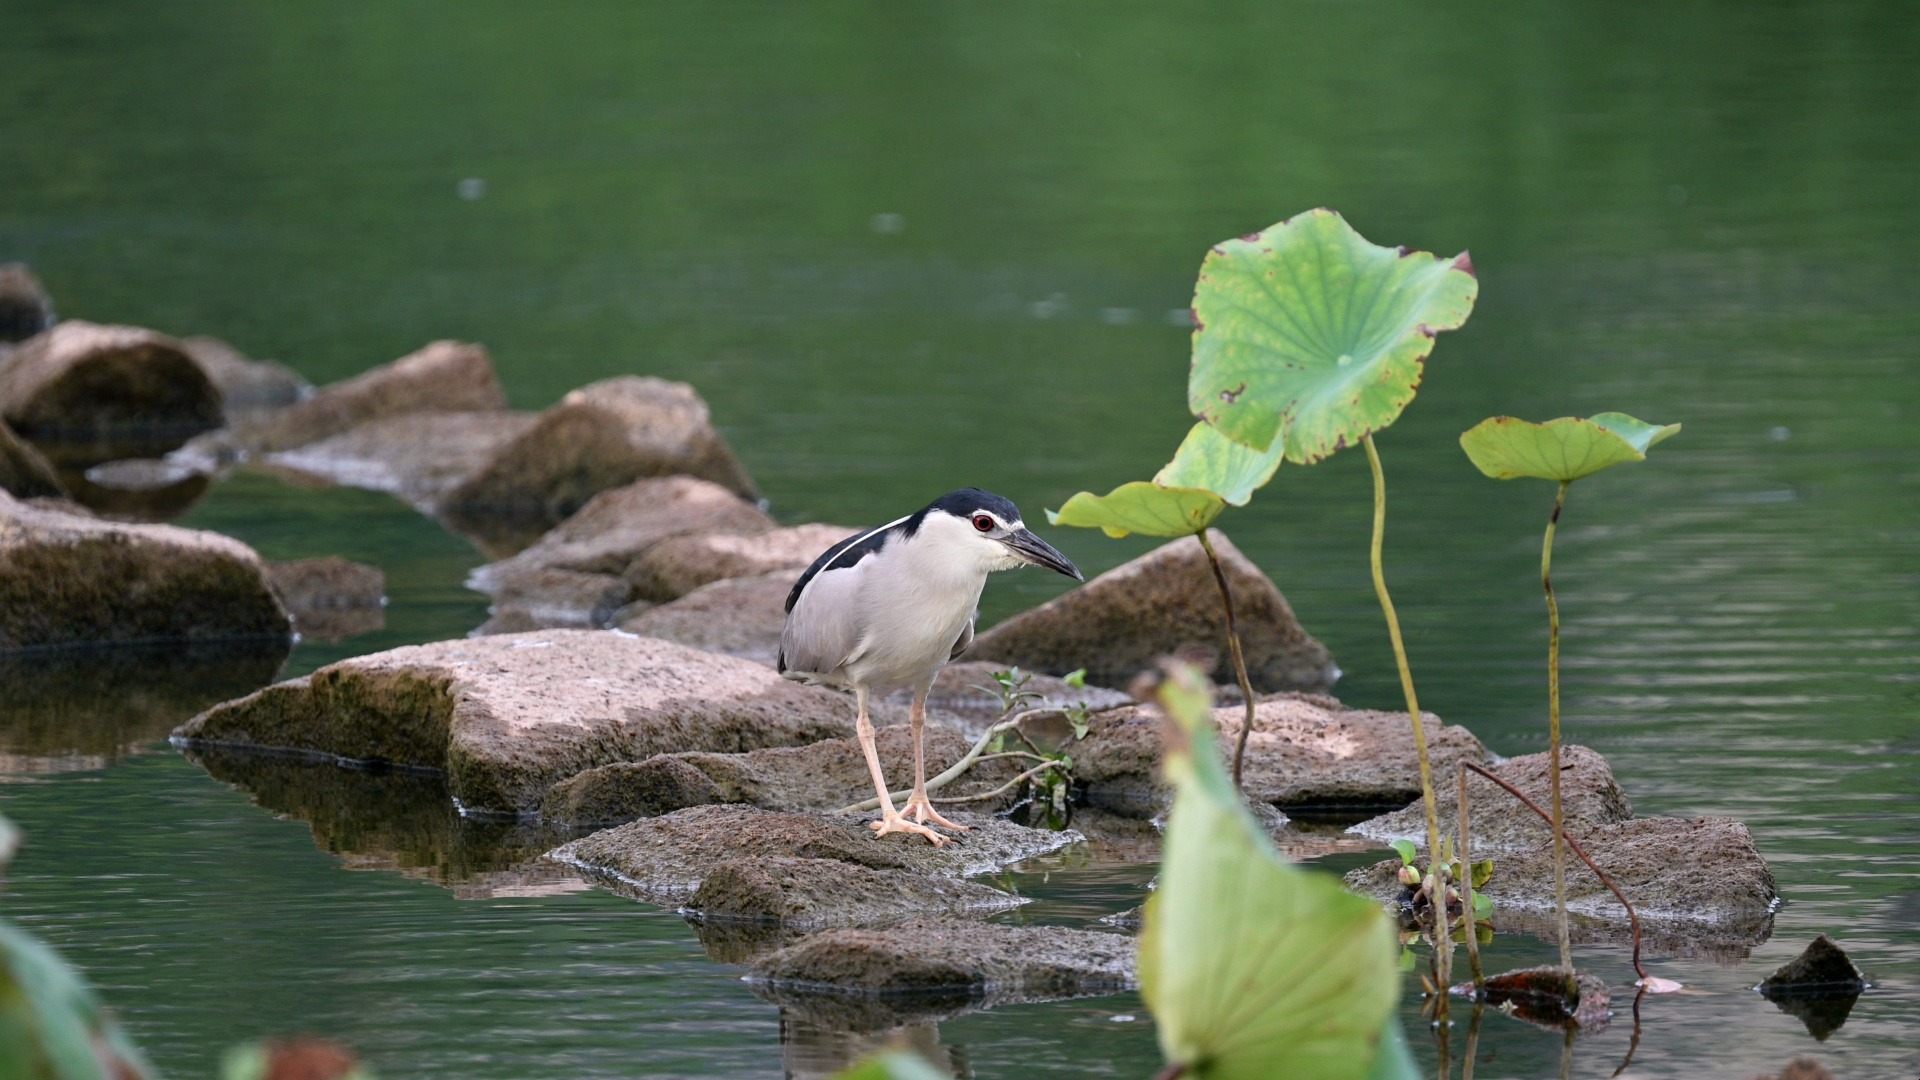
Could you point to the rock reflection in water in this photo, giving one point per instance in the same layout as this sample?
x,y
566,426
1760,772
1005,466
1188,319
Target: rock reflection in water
x,y
397,821
810,1051
69,710
136,489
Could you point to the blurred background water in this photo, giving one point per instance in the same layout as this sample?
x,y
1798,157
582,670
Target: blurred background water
x,y
906,247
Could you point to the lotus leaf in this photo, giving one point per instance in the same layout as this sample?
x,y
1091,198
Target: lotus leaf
x,y
1246,960
1309,328
1566,449
1209,461
1141,507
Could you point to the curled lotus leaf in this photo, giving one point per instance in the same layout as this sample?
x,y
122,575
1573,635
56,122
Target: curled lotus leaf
x,y
1209,461
1308,334
1565,449
1245,959
1141,507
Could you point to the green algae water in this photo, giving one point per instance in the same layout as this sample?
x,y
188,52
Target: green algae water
x,y
892,245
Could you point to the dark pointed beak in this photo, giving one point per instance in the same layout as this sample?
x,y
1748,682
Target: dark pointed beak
x,y
1040,553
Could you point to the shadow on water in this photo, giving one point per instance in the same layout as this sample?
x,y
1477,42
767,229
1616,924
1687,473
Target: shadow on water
x,y
399,821
72,710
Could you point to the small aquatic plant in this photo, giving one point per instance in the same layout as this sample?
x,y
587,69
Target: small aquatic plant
x,y
1562,450
1245,959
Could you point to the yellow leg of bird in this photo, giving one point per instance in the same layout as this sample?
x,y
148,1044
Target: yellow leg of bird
x,y
919,807
890,819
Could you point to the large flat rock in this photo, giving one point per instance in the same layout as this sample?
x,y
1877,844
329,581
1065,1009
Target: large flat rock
x,y
1306,751
821,893
824,775
969,695
675,567
418,457
1162,603
1497,821
506,717
599,437
71,579
87,393
664,859
741,617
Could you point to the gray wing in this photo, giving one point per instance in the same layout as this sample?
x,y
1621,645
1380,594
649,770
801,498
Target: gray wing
x,y
965,639
823,628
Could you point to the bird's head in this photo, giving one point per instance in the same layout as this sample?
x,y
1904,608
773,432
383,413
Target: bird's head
x,y
988,528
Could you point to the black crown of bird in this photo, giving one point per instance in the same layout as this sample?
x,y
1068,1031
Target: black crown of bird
x,y
887,608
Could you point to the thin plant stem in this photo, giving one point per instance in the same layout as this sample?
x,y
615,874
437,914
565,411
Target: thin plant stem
x,y
1473,1041
1239,658
1466,890
1443,940
960,767
1003,788
1553,739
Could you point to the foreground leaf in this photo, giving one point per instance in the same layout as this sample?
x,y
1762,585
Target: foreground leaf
x,y
1141,507
1247,961
1566,449
51,1028
892,1065
1209,461
1310,327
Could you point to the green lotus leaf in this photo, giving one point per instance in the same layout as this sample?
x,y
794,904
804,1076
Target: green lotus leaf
x,y
1246,960
1209,461
1309,328
1565,449
1141,507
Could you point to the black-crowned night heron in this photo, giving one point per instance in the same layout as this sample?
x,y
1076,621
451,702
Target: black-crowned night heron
x,y
888,608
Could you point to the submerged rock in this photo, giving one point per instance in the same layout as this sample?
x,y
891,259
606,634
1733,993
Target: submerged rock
x,y
664,859
1818,987
69,579
617,526
330,598
506,717
1681,875
539,597
824,775
820,893
25,307
1498,822
25,473
1538,996
1161,603
445,376
599,437
417,457
246,385
934,960
1306,750
675,567
741,617
1801,1068
87,393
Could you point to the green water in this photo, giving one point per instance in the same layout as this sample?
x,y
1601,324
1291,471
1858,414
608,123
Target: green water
x,y
1693,212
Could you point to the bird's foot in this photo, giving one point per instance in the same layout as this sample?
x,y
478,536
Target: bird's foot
x,y
920,808
893,822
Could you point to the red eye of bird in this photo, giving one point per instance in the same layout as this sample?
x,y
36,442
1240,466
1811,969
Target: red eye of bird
x,y
983,522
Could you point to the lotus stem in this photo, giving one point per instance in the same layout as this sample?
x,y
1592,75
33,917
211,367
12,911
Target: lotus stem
x,y
1427,801
959,767
1239,658
1466,892
1633,917
1553,738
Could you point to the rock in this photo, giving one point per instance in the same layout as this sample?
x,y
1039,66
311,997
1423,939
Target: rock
x,y
1538,996
617,526
965,693
599,437
940,960
673,568
330,598
1119,623
741,617
1499,822
821,893
446,376
87,393
1306,751
1686,875
539,597
1801,1068
25,307
417,457
1818,987
820,776
246,385
24,472
664,859
506,717
137,489
66,579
